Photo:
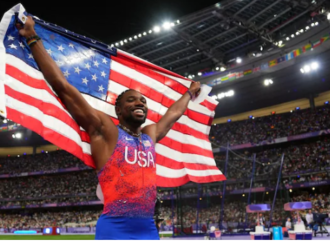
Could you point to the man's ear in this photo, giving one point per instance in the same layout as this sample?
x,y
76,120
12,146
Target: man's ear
x,y
117,109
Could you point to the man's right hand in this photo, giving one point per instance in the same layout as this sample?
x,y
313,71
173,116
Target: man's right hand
x,y
27,30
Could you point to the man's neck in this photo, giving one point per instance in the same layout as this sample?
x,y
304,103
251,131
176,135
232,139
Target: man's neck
x,y
132,127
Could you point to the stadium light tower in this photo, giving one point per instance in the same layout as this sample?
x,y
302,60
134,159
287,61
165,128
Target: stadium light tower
x,y
18,135
167,25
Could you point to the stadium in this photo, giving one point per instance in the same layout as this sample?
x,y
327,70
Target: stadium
x,y
267,63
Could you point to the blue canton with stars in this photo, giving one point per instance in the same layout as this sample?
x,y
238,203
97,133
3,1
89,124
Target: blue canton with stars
x,y
85,66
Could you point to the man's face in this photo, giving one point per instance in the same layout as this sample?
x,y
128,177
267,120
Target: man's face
x,y
132,108
310,211
289,219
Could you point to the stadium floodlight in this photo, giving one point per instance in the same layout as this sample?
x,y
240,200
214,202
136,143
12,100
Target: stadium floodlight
x,y
197,50
230,93
190,76
261,48
144,33
167,25
116,44
328,16
17,155
13,136
238,60
125,40
313,188
307,68
316,23
150,31
280,42
5,121
18,135
292,35
297,33
287,38
302,70
307,27
301,31
315,65
122,42
178,21
222,68
312,24
200,73
156,29
290,190
140,35
130,38
214,97
135,37
172,24
268,82
217,68
221,95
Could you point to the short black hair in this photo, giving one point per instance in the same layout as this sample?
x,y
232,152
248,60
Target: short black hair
x,y
120,96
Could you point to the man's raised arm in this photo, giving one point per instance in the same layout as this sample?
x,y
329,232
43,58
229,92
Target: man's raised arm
x,y
85,115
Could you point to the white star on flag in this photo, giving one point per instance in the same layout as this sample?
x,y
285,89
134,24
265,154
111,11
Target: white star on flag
x,y
103,74
101,88
87,66
11,37
59,63
13,46
94,77
22,45
96,64
49,51
60,48
77,70
66,74
85,80
30,56
104,61
71,45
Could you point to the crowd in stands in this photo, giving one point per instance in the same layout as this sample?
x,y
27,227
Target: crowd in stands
x,y
300,157
39,162
48,219
84,182
270,127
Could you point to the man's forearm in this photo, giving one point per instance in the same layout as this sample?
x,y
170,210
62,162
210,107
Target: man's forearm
x,y
180,106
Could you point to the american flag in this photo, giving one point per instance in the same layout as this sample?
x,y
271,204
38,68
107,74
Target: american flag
x,y
101,73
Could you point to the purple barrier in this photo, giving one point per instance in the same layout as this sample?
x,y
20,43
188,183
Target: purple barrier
x,y
308,184
256,208
276,141
255,189
297,206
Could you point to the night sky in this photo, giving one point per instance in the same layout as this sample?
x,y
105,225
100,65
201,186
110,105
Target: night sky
x,y
109,20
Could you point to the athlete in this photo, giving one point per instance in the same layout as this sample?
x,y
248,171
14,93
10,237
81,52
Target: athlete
x,y
124,155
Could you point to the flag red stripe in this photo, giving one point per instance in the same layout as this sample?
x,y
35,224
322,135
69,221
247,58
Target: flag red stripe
x,y
175,182
174,85
185,148
209,105
50,135
156,96
173,164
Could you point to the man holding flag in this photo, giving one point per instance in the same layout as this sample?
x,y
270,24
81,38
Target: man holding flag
x,y
124,155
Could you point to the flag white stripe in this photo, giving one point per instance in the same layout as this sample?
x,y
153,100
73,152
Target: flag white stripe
x,y
183,157
48,121
172,173
158,108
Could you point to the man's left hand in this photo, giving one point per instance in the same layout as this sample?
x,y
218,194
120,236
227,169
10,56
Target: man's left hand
x,y
195,88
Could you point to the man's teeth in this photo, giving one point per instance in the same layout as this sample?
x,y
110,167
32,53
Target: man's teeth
x,y
138,111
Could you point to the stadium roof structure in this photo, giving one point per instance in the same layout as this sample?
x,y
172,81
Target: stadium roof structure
x,y
216,35
206,45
